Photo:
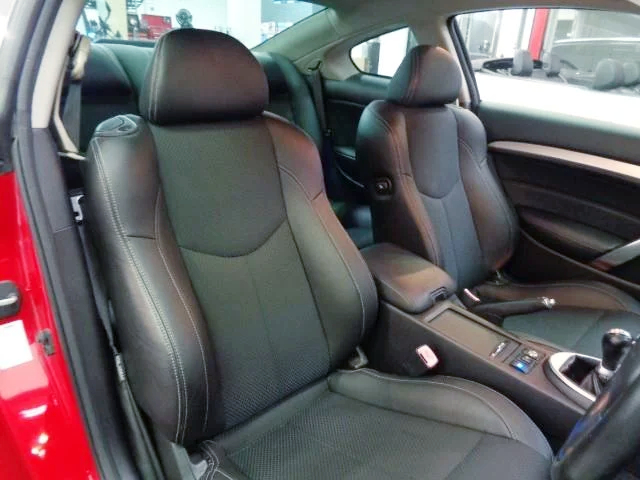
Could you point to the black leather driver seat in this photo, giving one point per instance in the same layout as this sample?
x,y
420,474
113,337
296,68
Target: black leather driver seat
x,y
238,295
447,205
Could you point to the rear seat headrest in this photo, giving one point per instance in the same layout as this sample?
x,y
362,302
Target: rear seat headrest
x,y
522,64
609,74
104,75
551,64
428,76
631,74
199,76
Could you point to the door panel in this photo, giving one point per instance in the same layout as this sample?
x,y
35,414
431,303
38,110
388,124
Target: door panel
x,y
345,102
574,185
509,122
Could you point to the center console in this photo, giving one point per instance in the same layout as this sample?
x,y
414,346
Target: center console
x,y
418,307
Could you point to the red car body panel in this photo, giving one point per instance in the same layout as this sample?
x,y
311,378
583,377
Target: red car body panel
x,y
42,433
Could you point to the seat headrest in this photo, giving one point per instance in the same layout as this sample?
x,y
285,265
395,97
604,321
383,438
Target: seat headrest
x,y
522,64
427,76
551,64
198,76
609,74
631,74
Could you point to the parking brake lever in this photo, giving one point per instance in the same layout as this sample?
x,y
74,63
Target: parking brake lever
x,y
496,312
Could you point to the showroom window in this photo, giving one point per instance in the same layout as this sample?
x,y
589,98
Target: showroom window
x,y
6,7
250,21
382,55
583,63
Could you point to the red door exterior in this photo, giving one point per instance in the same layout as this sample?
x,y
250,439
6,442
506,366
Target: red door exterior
x,y
42,432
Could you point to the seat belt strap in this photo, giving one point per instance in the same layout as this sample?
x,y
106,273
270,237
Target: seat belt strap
x,y
332,181
67,122
317,90
143,449
71,112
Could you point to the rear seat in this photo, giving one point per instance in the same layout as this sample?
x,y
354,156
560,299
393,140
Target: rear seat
x,y
114,76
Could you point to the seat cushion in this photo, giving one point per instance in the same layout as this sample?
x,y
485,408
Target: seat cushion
x,y
573,329
365,425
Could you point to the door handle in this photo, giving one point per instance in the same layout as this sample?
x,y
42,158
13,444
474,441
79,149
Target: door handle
x,y
9,299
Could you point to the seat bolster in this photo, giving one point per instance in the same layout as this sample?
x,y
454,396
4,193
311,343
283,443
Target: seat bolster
x,y
160,326
382,148
578,294
444,399
344,292
494,218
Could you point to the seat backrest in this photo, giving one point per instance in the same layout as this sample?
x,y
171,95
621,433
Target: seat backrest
x,y
111,85
443,202
116,73
233,283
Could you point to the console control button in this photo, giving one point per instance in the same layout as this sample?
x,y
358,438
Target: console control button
x,y
499,348
526,359
521,366
528,352
383,186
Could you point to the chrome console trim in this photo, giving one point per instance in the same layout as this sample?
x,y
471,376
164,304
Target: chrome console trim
x,y
555,363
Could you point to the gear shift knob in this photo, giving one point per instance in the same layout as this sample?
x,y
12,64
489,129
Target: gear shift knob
x,y
615,343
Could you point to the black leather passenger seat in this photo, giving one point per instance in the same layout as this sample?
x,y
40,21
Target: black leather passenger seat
x,y
115,74
448,206
235,306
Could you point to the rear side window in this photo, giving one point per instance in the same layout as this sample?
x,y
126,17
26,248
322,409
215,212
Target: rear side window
x,y
250,21
584,63
382,55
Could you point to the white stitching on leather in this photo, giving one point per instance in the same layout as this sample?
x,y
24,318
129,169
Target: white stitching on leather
x,y
333,241
493,189
140,280
189,314
431,382
217,464
211,461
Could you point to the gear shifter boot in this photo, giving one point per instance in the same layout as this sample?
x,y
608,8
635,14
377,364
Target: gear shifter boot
x,y
592,383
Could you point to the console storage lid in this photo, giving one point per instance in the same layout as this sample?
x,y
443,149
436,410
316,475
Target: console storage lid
x,y
405,280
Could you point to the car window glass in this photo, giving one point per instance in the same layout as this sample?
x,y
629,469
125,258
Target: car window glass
x,y
382,55
585,63
5,10
250,21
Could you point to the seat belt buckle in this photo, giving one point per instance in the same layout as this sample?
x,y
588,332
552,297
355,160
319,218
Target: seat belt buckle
x,y
427,356
358,360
